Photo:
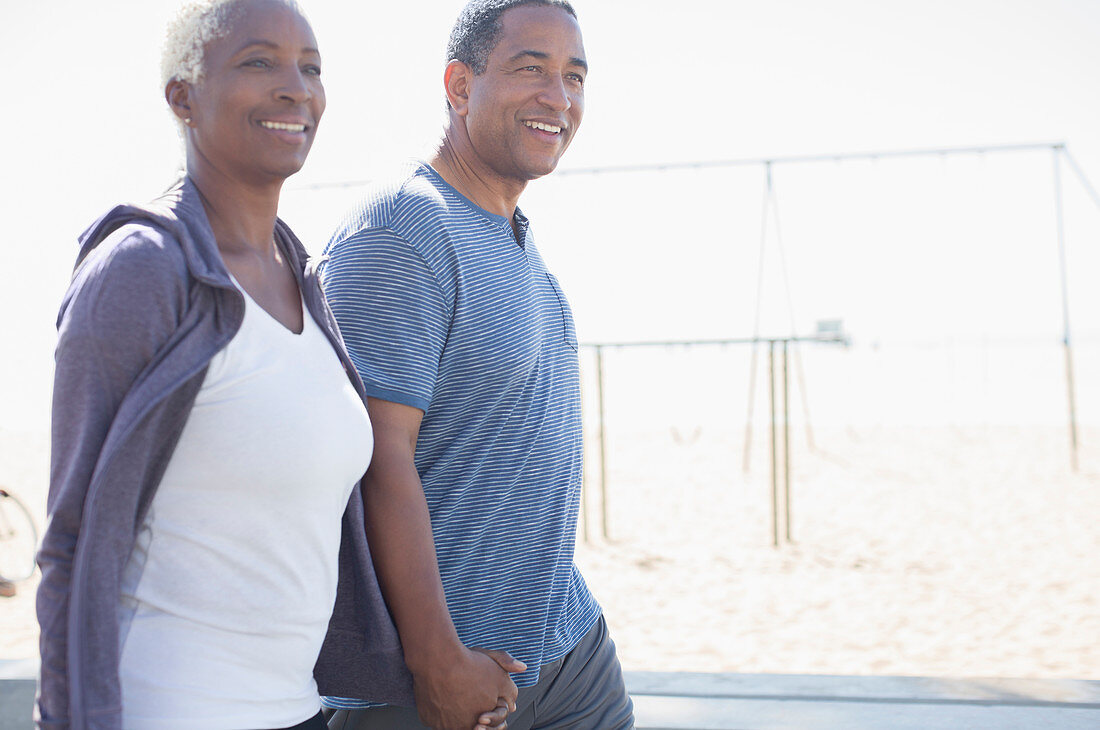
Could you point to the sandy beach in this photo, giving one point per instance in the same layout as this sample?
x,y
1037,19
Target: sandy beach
x,y
918,551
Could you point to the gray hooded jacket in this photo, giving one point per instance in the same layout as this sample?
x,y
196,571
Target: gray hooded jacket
x,y
141,321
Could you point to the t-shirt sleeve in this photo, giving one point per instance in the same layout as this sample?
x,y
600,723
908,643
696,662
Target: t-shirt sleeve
x,y
391,312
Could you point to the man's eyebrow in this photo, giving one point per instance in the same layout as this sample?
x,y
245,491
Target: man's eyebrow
x,y
532,54
542,56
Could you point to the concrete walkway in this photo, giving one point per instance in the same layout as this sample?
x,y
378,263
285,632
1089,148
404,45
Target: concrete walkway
x,y
686,701
17,693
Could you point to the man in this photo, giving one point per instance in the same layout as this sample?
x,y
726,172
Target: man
x,y
468,351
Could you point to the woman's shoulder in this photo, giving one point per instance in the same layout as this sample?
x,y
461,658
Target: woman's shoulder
x,y
128,234
130,263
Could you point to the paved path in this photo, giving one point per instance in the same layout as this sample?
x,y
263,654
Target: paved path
x,y
685,701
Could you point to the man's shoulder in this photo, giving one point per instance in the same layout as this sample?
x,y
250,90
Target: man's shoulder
x,y
406,204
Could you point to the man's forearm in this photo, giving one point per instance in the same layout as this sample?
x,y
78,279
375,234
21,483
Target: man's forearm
x,y
456,688
405,560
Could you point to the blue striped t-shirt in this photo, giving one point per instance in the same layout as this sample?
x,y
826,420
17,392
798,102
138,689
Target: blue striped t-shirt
x,y
443,310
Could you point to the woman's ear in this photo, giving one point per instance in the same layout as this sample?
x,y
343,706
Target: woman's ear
x,y
456,81
178,95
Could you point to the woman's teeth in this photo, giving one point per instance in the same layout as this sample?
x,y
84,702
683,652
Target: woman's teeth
x,y
283,126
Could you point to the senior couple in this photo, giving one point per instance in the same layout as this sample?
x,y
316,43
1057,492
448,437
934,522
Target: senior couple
x,y
262,493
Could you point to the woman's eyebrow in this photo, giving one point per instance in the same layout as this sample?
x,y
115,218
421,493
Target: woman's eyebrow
x,y
272,45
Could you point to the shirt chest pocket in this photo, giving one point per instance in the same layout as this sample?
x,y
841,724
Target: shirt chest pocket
x,y
568,327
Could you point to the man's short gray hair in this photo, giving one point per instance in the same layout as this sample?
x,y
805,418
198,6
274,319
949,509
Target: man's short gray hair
x,y
477,30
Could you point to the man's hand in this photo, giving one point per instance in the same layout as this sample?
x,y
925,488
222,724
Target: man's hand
x,y
469,691
456,688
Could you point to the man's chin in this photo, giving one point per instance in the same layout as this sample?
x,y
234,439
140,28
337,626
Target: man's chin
x,y
535,171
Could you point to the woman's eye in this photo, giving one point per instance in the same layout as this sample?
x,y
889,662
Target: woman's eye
x,y
257,63
312,70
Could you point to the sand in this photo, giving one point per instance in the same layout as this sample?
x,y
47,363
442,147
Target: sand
x,y
918,551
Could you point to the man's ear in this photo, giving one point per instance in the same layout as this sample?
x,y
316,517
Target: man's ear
x,y
456,81
178,95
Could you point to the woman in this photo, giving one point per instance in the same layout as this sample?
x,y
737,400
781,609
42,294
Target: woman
x,y
209,430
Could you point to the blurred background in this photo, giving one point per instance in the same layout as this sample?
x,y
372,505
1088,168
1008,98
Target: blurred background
x,y
939,526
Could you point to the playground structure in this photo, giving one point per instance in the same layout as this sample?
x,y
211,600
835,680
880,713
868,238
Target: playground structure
x,y
779,388
787,346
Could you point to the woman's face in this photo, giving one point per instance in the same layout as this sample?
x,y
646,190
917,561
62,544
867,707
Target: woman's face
x,y
255,111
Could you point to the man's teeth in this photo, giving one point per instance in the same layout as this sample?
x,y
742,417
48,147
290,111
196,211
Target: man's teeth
x,y
284,126
544,127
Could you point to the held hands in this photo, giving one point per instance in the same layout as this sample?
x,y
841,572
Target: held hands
x,y
468,691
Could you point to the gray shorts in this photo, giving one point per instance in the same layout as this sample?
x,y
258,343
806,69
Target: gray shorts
x,y
583,690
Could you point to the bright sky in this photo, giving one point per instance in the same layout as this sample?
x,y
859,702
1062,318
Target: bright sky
x,y
916,247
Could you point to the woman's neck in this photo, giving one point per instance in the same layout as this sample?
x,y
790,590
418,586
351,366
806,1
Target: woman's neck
x,y
241,216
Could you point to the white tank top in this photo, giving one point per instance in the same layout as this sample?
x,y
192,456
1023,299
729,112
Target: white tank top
x,y
227,596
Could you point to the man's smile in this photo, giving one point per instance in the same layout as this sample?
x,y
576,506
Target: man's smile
x,y
543,127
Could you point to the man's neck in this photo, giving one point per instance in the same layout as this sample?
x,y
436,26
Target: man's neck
x,y
456,162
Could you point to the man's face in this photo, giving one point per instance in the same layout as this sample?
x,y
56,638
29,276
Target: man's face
x,y
525,108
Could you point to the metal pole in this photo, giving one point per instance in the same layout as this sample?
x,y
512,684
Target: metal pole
x,y
800,373
775,483
582,515
1081,177
786,445
1066,343
747,452
603,445
790,303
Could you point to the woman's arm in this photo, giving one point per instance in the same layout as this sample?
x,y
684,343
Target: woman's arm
x,y
122,307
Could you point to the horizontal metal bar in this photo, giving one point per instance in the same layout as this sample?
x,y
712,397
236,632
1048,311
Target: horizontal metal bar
x,y
778,160
800,159
831,340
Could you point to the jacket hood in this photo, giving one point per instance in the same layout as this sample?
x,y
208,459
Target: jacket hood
x,y
179,211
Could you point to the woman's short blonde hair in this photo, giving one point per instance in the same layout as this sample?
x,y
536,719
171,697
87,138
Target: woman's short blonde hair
x,y
197,22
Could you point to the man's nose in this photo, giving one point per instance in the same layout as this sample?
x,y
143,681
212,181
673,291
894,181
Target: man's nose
x,y
554,95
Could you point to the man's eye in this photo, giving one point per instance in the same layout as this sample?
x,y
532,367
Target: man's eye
x,y
257,63
575,77
312,70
